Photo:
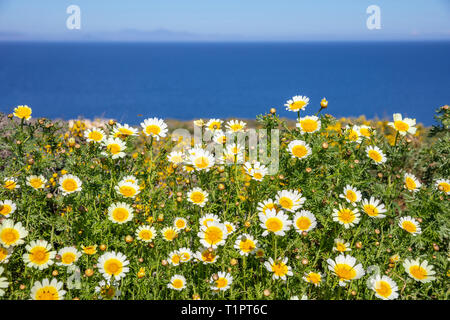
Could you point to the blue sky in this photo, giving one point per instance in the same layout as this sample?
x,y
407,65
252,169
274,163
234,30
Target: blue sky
x,y
240,19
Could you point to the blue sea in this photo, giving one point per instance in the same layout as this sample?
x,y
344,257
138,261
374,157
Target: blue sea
x,y
221,80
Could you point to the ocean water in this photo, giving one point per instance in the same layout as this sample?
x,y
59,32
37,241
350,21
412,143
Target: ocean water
x,y
221,80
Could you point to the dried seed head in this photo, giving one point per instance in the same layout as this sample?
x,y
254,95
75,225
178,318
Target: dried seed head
x,y
233,262
273,110
55,273
266,292
305,261
325,145
164,262
128,239
89,272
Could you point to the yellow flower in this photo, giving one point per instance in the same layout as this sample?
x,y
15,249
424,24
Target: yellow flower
x,y
23,112
89,250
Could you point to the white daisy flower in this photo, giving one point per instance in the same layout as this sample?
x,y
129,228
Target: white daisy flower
x,y
373,208
120,212
177,282
308,124
246,244
39,254
154,127
345,267
36,182
410,224
198,197
351,194
223,282
47,290
375,153
69,256
96,135
113,265
345,216
145,233
443,185
304,221
127,189
123,131
7,207
412,183
12,234
403,126
385,288
115,148
213,234
299,149
69,183
275,222
297,103
419,271
289,200
279,268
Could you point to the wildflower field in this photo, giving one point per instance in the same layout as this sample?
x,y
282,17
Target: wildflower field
x,y
348,210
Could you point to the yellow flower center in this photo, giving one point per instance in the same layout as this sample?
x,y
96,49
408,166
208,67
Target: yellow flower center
x,y
39,255
95,136
113,266
10,184
341,247
353,135
344,271
365,132
114,148
9,236
314,277
3,253
145,234
153,130
409,226
202,162
445,186
375,155
170,234
297,105
236,127
309,125
303,223
69,185
5,209
175,259
346,216
180,224
286,202
418,272
274,224
410,183
47,293
299,151
213,235
371,210
68,258
120,214
197,197
178,283
351,195
257,175
383,289
247,245
221,282
214,126
401,125
280,269
36,183
127,191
